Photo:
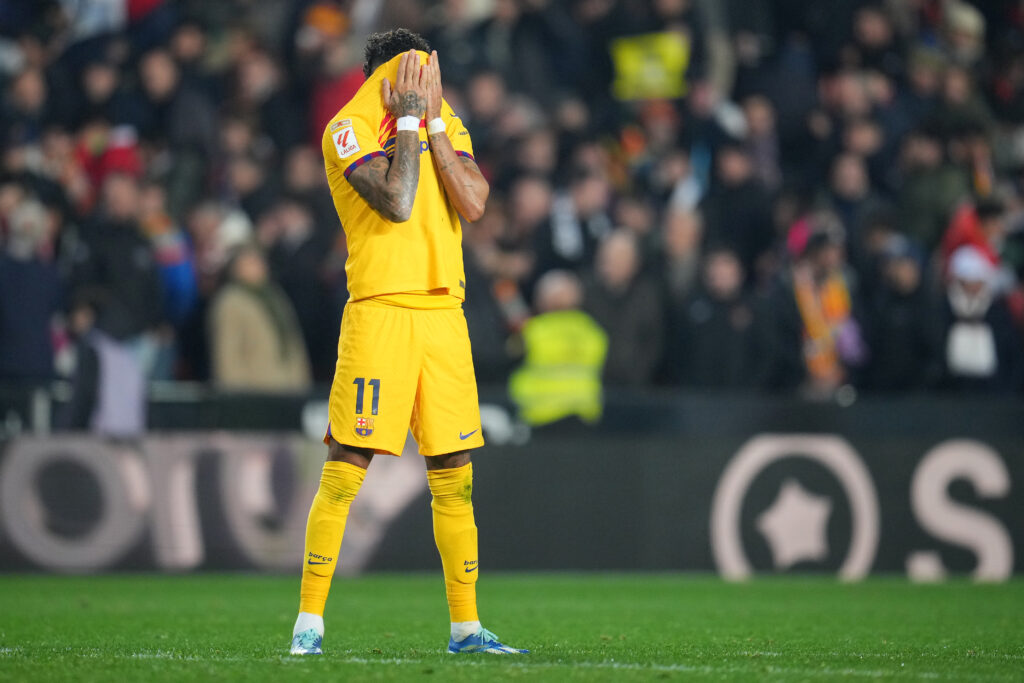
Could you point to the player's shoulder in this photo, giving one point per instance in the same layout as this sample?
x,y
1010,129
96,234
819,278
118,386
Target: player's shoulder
x,y
340,120
363,108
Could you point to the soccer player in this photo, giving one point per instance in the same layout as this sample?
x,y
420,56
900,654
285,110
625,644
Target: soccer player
x,y
401,171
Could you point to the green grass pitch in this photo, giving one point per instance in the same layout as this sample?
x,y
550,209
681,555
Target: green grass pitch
x,y
581,627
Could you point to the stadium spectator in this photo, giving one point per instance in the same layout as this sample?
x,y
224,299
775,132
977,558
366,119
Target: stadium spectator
x,y
251,185
717,336
737,211
102,150
529,206
519,41
901,321
981,225
564,352
108,385
627,304
963,33
866,138
102,95
451,33
675,181
960,107
178,121
261,91
923,83
980,345
190,47
815,336
25,111
60,177
172,252
679,262
762,141
215,231
255,340
876,42
295,254
492,308
486,97
116,262
930,188
305,183
30,287
536,153
851,198
578,221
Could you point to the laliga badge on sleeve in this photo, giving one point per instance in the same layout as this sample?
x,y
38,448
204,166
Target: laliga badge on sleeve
x,y
364,426
345,142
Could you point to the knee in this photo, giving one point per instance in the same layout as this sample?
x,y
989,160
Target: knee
x,y
451,487
447,461
342,478
353,455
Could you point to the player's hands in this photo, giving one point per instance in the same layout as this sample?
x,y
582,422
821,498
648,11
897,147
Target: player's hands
x,y
432,73
408,97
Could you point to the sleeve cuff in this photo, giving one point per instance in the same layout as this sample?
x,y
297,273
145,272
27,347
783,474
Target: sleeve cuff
x,y
362,160
466,154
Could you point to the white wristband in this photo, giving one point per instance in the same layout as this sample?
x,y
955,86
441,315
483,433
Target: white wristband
x,y
435,126
408,123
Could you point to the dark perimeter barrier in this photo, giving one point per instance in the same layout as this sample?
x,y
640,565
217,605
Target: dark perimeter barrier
x,y
925,487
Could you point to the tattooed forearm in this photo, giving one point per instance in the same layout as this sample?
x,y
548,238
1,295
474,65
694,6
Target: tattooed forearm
x,y
463,183
390,186
405,171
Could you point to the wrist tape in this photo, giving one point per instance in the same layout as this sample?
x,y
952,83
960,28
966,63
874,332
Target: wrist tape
x,y
408,123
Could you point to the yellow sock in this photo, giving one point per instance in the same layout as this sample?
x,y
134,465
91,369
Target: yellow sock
x,y
455,535
339,484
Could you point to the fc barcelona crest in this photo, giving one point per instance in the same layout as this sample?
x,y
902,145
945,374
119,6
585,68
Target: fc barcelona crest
x,y
364,426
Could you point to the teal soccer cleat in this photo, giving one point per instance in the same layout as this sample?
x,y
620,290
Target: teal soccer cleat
x,y
483,641
307,643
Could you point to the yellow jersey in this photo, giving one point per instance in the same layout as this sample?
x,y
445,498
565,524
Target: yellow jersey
x,y
422,256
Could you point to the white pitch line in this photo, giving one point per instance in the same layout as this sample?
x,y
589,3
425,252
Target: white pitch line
x,y
520,663
886,655
610,665
679,668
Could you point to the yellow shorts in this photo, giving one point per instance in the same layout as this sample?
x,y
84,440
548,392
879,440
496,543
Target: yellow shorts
x,y
400,369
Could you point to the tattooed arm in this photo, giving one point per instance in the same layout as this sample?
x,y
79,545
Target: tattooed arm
x,y
465,186
390,186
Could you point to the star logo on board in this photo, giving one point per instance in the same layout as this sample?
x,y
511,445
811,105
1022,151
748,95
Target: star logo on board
x,y
796,525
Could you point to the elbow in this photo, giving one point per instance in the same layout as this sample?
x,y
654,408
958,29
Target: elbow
x,y
397,211
474,212
474,209
398,215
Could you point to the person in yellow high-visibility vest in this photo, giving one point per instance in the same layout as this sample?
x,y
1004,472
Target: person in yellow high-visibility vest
x,y
565,351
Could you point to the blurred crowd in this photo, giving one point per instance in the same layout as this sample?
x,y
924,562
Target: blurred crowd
x,y
812,197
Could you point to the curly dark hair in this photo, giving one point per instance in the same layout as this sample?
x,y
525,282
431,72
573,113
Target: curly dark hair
x,y
380,47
